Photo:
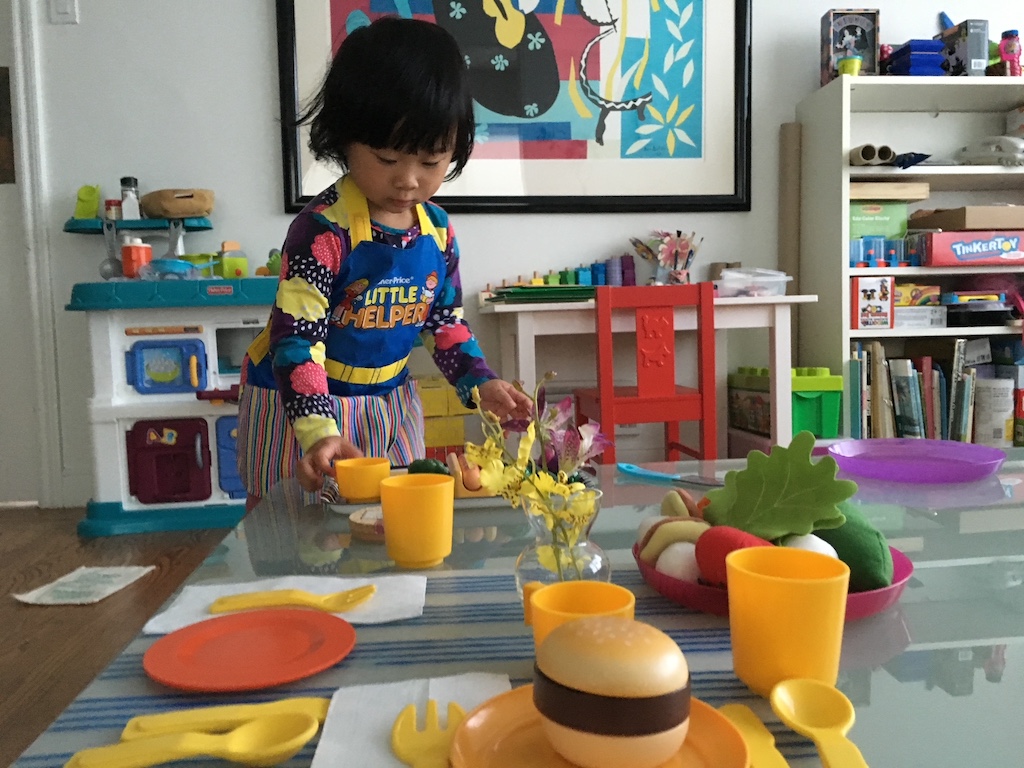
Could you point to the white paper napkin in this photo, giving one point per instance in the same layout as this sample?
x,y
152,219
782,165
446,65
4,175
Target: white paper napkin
x,y
357,731
85,585
397,597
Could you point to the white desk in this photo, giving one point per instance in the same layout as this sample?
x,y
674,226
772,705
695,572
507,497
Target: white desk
x,y
520,325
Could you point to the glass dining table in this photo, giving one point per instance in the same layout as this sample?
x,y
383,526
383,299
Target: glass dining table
x,y
936,680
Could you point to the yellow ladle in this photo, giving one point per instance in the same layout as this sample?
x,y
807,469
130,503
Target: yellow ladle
x,y
264,741
823,714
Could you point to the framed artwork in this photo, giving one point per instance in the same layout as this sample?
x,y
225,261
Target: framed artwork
x,y
583,107
6,129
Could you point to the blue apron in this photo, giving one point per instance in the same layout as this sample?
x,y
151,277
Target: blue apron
x,y
379,303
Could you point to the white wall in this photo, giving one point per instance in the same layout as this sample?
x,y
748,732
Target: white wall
x,y
184,94
19,441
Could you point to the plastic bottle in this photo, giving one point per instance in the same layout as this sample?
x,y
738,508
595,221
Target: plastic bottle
x,y
135,255
130,198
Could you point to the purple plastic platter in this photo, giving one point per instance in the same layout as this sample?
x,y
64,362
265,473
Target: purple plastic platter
x,y
708,599
916,461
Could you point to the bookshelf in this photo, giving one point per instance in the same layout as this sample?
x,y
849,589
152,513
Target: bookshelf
x,y
934,115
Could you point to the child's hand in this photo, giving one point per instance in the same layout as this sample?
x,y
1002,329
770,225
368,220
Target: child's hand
x,y
504,401
315,464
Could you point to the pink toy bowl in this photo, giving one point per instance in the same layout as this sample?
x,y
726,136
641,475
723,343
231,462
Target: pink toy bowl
x,y
917,461
708,599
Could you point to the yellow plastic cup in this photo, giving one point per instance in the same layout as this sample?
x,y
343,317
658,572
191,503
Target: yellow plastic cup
x,y
418,512
786,612
548,606
359,479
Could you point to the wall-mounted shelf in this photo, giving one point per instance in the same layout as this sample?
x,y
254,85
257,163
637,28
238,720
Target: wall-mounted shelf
x,y
95,226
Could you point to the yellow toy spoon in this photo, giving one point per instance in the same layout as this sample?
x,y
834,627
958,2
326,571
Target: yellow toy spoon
x,y
265,741
336,602
823,714
219,719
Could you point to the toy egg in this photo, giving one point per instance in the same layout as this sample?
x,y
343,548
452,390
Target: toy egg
x,y
612,693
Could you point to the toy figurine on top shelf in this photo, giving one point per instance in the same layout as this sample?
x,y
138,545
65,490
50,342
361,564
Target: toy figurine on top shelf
x,y
1009,53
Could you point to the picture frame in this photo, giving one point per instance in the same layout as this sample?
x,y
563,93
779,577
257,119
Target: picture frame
x,y
849,31
668,130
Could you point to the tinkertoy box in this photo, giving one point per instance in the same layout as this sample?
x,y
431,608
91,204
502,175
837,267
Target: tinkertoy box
x,y
976,248
871,302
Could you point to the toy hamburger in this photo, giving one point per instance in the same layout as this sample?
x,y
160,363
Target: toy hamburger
x,y
612,693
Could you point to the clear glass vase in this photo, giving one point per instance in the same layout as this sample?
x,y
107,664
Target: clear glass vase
x,y
562,549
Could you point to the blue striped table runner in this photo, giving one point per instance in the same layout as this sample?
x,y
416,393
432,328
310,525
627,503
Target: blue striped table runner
x,y
472,621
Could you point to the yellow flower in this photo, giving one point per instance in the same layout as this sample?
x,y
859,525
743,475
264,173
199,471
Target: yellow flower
x,y
481,455
526,446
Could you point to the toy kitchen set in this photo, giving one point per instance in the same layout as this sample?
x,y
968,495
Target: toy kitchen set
x,y
166,360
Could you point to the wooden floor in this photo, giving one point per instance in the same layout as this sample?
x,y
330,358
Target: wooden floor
x,y
48,654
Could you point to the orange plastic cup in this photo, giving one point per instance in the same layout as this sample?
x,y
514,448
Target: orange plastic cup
x,y
359,479
548,606
418,512
786,612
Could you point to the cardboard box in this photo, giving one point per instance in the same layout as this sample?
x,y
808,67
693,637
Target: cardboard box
x,y
920,317
886,219
871,302
912,295
889,190
953,249
966,48
846,31
971,217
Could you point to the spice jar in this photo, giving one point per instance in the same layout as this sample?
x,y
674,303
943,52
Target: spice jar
x,y
112,209
130,198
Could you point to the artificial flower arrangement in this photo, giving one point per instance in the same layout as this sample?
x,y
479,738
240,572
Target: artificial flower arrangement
x,y
543,473
673,254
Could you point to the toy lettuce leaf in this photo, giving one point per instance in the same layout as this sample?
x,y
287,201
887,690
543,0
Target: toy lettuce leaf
x,y
781,493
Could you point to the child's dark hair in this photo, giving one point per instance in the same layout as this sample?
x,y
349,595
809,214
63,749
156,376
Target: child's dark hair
x,y
396,84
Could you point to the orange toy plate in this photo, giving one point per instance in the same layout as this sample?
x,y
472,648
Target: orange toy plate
x,y
250,650
505,732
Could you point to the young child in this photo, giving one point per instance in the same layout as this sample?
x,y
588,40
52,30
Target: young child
x,y
368,267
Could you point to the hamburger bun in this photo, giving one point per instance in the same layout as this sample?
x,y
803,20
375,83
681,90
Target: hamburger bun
x,y
612,693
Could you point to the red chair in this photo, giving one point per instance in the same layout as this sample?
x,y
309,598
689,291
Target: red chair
x,y
656,397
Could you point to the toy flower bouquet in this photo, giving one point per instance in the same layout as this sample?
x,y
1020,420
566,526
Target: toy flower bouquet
x,y
543,472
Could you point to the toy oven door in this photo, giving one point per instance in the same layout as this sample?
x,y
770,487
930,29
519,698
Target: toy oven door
x,y
166,366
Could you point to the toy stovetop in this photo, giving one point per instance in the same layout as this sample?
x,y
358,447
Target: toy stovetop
x,y
150,294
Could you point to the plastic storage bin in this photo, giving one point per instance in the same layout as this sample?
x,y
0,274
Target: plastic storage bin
x,y
752,282
817,401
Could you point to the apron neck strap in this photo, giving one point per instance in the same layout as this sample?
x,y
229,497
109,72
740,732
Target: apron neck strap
x,y
359,214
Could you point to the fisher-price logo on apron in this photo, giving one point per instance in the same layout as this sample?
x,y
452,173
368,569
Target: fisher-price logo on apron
x,y
390,303
1004,247
220,290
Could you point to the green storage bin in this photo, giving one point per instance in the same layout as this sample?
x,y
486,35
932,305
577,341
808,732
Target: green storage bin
x,y
817,401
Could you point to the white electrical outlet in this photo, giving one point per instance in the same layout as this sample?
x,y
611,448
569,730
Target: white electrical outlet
x,y
64,12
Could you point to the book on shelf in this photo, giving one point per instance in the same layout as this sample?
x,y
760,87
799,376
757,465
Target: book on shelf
x,y
993,412
883,418
855,402
908,408
926,383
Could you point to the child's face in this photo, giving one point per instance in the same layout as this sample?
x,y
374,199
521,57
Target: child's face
x,y
395,182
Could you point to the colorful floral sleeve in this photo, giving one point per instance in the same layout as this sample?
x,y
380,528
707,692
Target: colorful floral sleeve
x,y
448,337
310,261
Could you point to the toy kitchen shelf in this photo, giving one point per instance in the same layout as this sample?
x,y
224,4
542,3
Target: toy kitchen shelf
x,y
95,226
166,358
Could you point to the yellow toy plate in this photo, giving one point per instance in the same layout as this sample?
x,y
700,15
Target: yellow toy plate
x,y
505,732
